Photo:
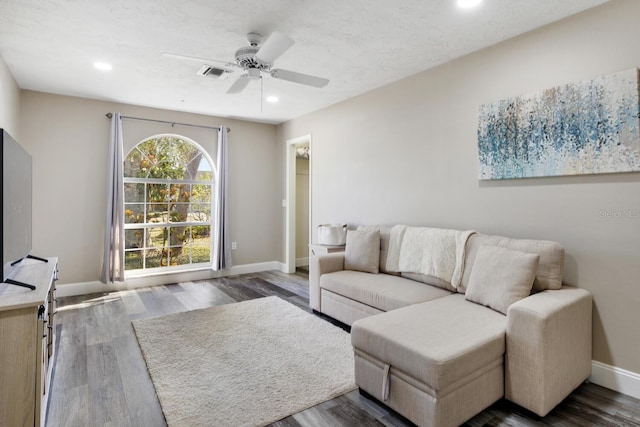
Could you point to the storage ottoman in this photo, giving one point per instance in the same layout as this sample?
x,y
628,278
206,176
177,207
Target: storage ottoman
x,y
438,363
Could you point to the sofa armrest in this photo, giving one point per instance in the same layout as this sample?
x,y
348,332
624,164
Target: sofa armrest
x,y
548,347
319,265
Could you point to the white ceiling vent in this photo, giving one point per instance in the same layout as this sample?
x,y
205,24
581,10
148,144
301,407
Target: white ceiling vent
x,y
216,73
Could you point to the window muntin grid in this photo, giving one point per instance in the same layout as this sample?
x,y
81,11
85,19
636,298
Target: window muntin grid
x,y
168,183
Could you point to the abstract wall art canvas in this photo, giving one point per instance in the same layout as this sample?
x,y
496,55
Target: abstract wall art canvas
x,y
581,128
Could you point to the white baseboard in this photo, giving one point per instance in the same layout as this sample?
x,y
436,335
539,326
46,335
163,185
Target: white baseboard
x,y
252,268
302,262
84,288
616,379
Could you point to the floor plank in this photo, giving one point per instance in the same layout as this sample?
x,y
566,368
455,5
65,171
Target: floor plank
x,y
143,407
106,398
100,378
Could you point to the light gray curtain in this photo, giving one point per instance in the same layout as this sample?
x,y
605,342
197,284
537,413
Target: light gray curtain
x,y
221,243
113,261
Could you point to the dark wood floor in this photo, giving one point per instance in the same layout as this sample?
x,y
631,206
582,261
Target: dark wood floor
x,y
100,378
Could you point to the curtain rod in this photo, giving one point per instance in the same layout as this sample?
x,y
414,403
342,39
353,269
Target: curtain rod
x,y
110,115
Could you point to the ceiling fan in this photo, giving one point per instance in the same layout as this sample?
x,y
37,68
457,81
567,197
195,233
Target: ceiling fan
x,y
254,59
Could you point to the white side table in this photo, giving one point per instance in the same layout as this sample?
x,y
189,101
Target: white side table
x,y
316,249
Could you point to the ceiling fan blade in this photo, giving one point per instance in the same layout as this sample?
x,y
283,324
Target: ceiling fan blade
x,y
229,65
276,45
239,85
303,79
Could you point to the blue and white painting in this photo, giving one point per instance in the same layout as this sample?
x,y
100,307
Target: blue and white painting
x,y
583,128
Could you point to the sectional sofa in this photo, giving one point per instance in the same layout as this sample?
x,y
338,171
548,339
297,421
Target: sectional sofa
x,y
446,322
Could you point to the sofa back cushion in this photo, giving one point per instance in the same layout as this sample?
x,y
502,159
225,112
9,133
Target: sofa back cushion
x,y
550,266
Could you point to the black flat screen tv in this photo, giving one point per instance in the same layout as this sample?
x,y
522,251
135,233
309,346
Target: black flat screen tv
x,y
16,204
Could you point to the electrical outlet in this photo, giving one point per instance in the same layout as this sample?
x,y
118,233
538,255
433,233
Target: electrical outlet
x,y
234,246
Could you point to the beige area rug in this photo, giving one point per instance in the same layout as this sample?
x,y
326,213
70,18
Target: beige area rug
x,y
244,364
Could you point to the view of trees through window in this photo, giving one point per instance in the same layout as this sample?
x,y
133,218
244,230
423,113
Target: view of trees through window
x,y
168,187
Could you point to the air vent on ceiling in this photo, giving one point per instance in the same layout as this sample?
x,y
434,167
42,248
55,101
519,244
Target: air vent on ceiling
x,y
216,73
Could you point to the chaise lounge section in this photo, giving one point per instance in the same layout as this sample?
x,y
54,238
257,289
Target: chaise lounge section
x,y
439,352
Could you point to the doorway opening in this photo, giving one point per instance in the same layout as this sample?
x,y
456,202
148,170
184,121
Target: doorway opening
x,y
298,203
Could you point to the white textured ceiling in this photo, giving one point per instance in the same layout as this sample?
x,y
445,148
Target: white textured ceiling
x,y
359,45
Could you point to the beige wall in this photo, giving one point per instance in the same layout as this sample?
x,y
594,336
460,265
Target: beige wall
x,y
406,153
68,138
9,102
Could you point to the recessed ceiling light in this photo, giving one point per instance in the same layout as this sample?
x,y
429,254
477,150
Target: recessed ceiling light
x,y
102,66
272,98
467,4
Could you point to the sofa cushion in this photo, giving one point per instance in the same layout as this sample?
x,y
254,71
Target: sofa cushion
x,y
362,251
550,266
438,342
382,291
429,280
501,277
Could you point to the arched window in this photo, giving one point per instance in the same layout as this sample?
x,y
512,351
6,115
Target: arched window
x,y
168,187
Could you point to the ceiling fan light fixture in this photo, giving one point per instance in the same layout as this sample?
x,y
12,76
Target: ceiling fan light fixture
x,y
253,73
468,4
